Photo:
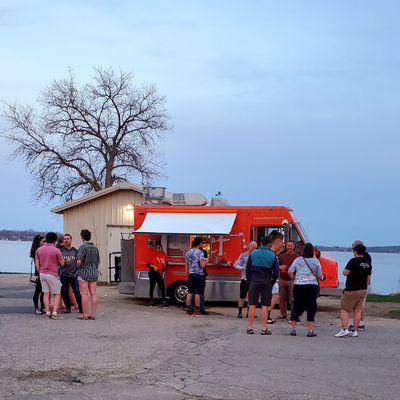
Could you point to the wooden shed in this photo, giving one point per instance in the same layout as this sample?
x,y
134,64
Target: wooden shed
x,y
108,214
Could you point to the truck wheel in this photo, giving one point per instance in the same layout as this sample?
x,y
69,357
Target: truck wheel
x,y
177,292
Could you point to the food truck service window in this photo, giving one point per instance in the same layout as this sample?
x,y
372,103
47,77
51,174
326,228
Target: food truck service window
x,y
178,245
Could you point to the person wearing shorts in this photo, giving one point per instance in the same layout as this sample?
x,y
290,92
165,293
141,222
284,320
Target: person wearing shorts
x,y
195,263
261,272
240,264
368,258
48,260
358,277
87,261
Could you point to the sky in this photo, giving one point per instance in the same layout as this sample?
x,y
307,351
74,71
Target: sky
x,y
272,103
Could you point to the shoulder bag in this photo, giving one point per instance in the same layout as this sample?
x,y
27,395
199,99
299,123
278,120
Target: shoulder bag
x,y
315,275
33,279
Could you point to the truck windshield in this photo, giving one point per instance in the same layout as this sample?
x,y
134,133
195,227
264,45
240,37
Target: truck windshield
x,y
301,232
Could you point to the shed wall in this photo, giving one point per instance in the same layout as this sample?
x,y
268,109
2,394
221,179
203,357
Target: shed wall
x,y
97,215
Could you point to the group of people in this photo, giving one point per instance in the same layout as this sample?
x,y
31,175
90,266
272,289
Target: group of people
x,y
64,276
270,275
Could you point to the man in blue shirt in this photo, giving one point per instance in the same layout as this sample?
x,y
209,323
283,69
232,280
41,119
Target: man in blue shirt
x,y
262,271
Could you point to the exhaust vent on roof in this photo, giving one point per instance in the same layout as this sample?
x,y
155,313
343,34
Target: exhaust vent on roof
x,y
188,199
154,194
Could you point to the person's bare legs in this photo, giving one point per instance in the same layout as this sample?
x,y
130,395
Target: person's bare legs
x,y
93,297
252,311
310,326
264,317
46,301
57,301
197,300
356,319
83,288
344,318
274,300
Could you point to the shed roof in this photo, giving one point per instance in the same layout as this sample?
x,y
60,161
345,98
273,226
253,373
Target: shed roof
x,y
93,196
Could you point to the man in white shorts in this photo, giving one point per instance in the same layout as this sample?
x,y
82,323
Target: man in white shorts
x,y
48,261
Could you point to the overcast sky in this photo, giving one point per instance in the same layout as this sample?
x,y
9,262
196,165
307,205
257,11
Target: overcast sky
x,y
273,103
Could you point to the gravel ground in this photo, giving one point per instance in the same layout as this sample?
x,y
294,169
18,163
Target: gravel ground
x,y
133,351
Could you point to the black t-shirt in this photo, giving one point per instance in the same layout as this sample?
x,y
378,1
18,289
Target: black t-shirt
x,y
359,269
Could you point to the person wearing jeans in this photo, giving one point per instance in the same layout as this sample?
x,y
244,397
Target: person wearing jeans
x,y
68,274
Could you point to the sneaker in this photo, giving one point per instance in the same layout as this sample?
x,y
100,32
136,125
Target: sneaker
x,y
240,315
361,327
311,334
292,332
38,312
271,321
342,333
204,312
189,312
353,334
350,328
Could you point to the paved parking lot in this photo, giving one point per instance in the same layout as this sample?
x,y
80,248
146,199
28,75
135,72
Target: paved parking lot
x,y
133,351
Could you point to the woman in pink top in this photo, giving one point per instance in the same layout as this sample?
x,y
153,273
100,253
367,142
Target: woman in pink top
x,y
48,261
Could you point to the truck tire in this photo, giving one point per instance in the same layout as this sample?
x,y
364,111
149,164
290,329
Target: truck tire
x,y
177,292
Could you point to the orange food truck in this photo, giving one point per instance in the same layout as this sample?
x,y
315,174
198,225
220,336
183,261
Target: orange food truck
x,y
226,231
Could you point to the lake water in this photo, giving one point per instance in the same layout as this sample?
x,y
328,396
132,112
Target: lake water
x,y
385,274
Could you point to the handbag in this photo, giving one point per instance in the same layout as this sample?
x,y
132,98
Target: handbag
x,y
315,275
33,279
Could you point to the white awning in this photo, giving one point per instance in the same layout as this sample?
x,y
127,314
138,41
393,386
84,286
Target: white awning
x,y
188,223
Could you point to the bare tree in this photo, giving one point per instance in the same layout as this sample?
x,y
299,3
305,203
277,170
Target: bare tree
x,y
88,137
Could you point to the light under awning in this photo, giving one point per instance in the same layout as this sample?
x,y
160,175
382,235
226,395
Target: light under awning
x,y
188,223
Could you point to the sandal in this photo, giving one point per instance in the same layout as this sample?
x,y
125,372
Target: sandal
x,y
265,332
56,316
83,317
250,331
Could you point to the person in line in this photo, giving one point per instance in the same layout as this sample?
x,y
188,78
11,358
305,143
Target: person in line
x,y
87,261
261,272
60,242
38,241
285,282
276,246
48,260
68,275
157,267
305,270
368,258
240,264
195,263
202,297
358,277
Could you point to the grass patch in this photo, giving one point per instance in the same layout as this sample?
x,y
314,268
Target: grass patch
x,y
384,298
395,313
